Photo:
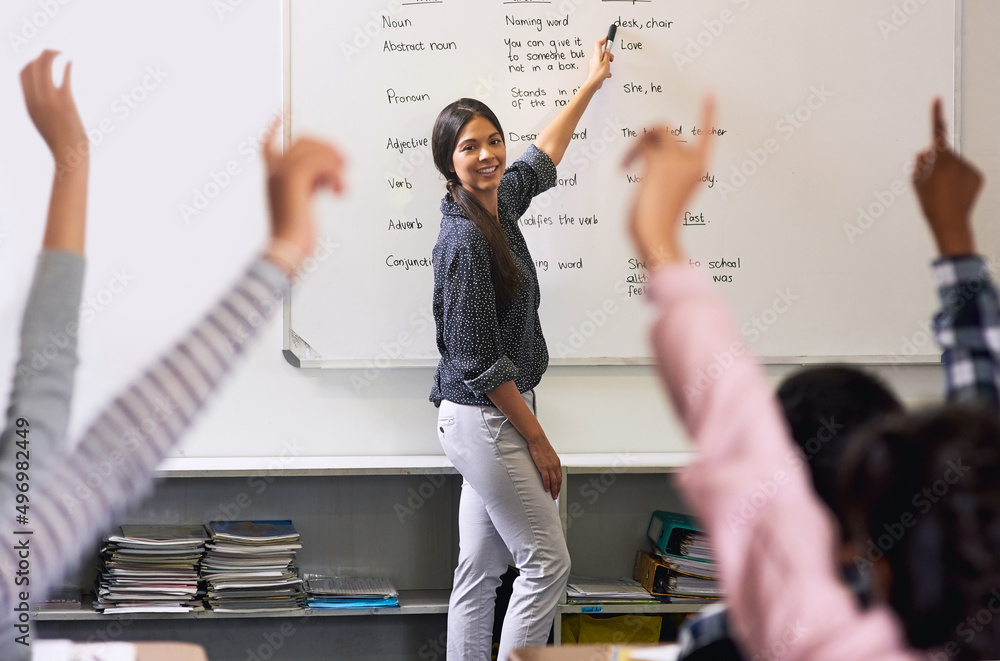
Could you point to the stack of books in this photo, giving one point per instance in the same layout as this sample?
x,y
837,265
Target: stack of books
x,y
584,589
151,569
342,592
681,568
249,567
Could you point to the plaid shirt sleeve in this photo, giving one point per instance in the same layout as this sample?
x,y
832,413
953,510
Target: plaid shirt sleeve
x,y
968,329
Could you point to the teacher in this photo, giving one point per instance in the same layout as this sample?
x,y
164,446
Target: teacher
x,y
492,356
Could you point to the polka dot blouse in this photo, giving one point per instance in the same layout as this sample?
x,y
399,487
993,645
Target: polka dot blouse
x,y
481,346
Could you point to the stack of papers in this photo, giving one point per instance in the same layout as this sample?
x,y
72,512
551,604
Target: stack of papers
x,y
151,569
250,567
342,592
584,588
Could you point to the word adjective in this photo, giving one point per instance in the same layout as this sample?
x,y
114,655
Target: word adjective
x,y
537,23
393,262
639,25
396,183
401,47
694,219
535,220
635,88
412,143
565,219
414,224
578,264
395,98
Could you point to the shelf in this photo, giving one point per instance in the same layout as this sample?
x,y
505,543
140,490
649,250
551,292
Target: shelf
x,y
411,602
291,466
611,607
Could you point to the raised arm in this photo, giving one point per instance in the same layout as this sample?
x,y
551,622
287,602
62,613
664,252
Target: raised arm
x,y
554,138
43,376
746,485
78,496
968,325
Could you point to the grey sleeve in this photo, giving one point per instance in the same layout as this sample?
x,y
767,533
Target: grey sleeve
x,y
74,500
43,377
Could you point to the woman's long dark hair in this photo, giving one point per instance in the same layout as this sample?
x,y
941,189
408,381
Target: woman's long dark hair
x,y
507,279
924,490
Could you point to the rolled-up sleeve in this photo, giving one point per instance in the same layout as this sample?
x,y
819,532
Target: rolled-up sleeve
x,y
471,328
528,176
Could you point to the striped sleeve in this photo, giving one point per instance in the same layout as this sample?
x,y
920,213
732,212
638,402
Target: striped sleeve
x,y
78,496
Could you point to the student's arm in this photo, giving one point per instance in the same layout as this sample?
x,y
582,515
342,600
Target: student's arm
x,y
774,540
555,137
75,500
968,325
43,376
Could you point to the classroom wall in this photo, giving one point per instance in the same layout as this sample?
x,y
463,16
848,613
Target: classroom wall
x,y
270,408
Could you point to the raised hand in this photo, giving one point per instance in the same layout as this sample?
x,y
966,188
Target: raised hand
x,y
947,186
292,178
671,173
52,108
600,64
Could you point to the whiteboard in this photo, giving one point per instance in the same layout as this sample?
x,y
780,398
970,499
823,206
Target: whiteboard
x,y
805,221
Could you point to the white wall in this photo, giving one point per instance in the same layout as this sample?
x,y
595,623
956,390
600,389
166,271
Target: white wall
x,y
270,406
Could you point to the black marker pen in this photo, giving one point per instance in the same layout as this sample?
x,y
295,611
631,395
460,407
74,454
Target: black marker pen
x,y
611,37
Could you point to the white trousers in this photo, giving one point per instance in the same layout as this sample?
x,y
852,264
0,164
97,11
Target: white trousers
x,y
504,507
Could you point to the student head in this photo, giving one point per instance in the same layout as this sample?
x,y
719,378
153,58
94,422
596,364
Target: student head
x,y
921,499
469,151
824,407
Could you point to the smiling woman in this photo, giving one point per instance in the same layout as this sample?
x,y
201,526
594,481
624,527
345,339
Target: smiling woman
x,y
493,354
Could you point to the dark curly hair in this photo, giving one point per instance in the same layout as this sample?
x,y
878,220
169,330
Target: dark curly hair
x,y
824,407
923,491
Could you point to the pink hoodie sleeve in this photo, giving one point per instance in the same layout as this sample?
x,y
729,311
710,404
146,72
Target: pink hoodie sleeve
x,y
774,540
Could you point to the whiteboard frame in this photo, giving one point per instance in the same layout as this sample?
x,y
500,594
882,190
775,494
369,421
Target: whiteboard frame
x,y
293,359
